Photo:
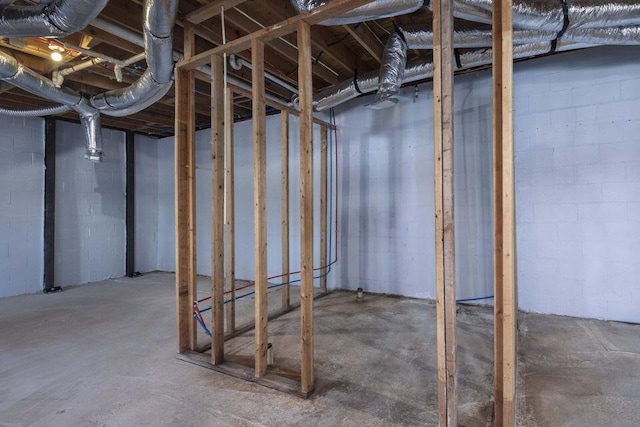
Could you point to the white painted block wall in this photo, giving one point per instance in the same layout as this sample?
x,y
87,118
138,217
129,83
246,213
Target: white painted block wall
x,y
90,208
577,134
243,134
146,203
21,205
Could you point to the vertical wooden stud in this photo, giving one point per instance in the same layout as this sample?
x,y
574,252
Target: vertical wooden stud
x,y
230,251
444,213
324,134
305,84
505,275
260,205
186,284
217,210
286,278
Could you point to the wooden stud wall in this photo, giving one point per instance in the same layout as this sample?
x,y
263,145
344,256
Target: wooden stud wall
x,y
306,203
185,211
444,213
217,210
323,206
286,298
505,287
260,201
229,195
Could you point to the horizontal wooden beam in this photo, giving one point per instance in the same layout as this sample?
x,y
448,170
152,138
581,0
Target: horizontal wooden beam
x,y
363,35
280,29
210,10
278,105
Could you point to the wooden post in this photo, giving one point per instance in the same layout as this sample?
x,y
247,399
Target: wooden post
x,y
505,276
260,205
217,210
230,242
323,206
286,298
306,203
444,214
185,210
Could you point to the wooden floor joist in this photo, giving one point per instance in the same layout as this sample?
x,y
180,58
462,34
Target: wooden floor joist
x,y
505,286
444,212
260,208
305,62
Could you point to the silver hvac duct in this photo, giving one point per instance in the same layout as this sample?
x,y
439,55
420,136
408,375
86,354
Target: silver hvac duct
x,y
375,10
41,112
419,70
20,76
554,15
57,19
159,18
423,39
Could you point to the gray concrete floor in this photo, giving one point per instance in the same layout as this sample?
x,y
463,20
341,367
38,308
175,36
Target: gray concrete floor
x,y
104,354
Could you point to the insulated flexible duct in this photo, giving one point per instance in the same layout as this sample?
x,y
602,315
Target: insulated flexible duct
x,y
42,112
159,18
419,70
59,18
20,76
556,15
375,10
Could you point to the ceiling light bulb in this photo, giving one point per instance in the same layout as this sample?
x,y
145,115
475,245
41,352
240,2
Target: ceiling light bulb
x,y
56,56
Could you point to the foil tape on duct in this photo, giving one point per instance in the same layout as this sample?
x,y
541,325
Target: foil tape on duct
x,y
549,15
375,10
420,70
60,18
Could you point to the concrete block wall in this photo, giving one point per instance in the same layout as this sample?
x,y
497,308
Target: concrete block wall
x,y
21,205
577,135
146,203
90,208
243,140
578,186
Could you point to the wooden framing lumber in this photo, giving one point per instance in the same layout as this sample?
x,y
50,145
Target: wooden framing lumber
x,y
324,136
444,213
278,105
260,201
210,10
505,277
276,382
286,297
229,197
280,29
217,210
365,37
306,204
185,210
